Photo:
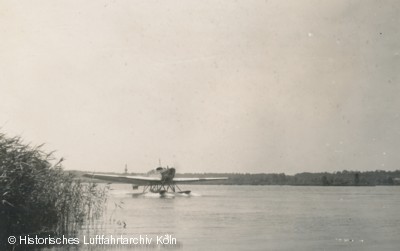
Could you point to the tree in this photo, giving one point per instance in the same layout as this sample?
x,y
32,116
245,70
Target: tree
x,y
356,179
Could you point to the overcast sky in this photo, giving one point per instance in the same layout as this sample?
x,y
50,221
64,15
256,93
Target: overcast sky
x,y
206,86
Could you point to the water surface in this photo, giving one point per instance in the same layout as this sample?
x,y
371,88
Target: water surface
x,y
260,218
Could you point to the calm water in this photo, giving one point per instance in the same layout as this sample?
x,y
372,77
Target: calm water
x,y
260,218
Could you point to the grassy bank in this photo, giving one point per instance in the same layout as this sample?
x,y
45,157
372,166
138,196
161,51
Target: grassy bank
x,y
37,197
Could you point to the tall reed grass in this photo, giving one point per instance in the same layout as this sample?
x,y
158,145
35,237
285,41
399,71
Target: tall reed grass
x,y
38,197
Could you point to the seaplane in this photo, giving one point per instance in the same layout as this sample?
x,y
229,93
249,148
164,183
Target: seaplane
x,y
160,180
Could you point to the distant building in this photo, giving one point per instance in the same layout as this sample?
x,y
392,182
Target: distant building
x,y
396,181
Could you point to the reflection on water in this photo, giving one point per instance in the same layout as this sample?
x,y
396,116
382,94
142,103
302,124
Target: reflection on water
x,y
252,218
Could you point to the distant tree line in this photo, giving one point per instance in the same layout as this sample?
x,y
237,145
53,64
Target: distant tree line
x,y
341,178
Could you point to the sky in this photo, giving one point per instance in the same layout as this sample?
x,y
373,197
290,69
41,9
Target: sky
x,y
205,86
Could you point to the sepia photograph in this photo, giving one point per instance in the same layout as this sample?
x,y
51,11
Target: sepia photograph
x,y
199,125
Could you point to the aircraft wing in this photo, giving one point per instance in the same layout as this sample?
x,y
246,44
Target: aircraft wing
x,y
137,180
192,180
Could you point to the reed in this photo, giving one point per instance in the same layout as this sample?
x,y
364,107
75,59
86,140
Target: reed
x,y
37,197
